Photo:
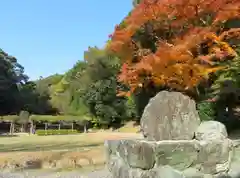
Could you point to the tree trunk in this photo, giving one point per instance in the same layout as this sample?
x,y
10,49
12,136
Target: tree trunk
x,y
22,128
45,128
31,128
59,128
85,128
10,130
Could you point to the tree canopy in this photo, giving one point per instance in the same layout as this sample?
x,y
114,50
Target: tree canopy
x,y
176,43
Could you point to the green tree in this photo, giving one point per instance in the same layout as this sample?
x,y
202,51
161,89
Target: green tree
x,y
11,77
101,87
34,100
66,94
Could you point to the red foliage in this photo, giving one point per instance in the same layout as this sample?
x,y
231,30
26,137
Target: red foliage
x,y
180,61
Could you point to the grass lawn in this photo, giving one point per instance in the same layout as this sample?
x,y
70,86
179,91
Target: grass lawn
x,y
85,149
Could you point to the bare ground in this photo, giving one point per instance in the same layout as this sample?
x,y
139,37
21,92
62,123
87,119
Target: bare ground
x,y
82,152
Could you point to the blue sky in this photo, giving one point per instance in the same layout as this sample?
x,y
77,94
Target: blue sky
x,y
49,36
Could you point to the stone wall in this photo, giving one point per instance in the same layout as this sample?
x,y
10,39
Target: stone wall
x,y
181,158
176,144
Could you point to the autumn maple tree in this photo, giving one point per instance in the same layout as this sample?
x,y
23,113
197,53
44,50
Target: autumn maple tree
x,y
175,43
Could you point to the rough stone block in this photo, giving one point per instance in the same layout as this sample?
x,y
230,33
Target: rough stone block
x,y
166,172
192,173
137,153
179,154
111,147
211,130
118,168
170,116
215,156
163,172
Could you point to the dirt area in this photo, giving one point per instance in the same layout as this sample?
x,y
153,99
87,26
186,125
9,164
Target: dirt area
x,y
83,151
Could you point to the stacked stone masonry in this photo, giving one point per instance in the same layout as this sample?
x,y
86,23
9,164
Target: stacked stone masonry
x,y
146,159
204,152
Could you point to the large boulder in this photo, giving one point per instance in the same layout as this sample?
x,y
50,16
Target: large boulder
x,y
216,153
211,130
170,116
215,156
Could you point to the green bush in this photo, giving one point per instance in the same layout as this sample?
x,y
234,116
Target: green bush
x,y
56,132
49,118
206,110
10,118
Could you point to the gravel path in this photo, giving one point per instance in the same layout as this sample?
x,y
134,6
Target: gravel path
x,y
74,174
